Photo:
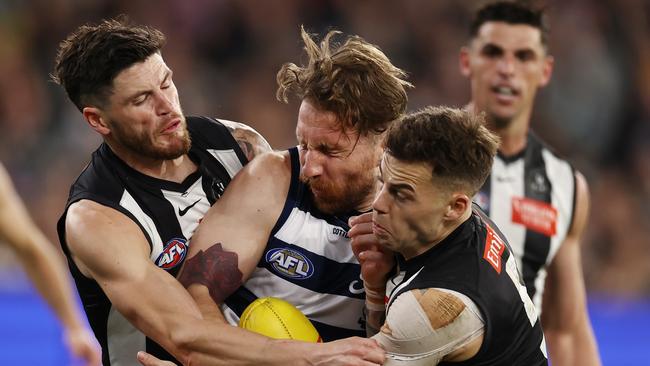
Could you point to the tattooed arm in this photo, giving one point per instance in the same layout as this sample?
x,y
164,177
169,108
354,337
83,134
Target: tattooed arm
x,y
249,140
230,240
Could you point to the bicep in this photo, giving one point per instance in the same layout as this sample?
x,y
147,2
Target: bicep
x,y
242,219
114,252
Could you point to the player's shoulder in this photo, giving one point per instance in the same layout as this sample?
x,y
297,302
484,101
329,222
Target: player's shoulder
x,y
270,168
440,307
87,213
433,322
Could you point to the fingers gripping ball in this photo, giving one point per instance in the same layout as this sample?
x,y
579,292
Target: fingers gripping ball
x,y
276,318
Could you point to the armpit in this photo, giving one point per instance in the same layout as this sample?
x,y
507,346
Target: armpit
x,y
423,326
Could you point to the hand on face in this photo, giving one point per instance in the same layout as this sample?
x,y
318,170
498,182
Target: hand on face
x,y
376,261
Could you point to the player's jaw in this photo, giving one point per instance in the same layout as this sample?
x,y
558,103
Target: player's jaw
x,y
343,195
168,141
503,103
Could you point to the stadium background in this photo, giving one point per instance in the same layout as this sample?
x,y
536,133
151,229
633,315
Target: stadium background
x,y
225,54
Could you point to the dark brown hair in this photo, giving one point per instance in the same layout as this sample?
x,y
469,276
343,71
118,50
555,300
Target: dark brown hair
x,y
454,142
355,81
89,58
511,12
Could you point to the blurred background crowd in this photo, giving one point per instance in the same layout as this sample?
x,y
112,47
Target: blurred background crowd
x,y
225,55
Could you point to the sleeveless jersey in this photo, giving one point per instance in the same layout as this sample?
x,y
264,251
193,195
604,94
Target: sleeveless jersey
x,y
308,261
531,196
476,261
166,212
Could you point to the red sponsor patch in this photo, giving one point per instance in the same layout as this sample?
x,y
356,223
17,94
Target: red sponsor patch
x,y
173,254
535,215
494,247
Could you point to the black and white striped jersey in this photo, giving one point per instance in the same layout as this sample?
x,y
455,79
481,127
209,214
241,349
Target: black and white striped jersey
x,y
308,261
476,261
168,214
531,196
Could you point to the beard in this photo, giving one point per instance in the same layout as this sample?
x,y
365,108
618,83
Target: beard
x,y
499,123
345,194
143,145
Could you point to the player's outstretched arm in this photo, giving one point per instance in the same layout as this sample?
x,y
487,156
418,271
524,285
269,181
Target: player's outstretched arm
x,y
231,238
108,247
565,321
45,267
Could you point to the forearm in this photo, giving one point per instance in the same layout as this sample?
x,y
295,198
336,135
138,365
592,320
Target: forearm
x,y
46,270
222,344
375,310
575,346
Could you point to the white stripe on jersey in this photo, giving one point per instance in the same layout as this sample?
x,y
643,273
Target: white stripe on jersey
x,y
561,177
507,181
227,158
316,235
400,286
335,310
124,340
145,221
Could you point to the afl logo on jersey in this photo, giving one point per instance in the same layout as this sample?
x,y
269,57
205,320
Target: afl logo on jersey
x,y
173,254
290,263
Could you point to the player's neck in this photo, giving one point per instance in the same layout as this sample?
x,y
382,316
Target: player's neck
x,y
174,170
513,137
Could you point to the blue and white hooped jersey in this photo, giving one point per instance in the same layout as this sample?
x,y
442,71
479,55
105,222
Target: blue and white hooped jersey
x,y
308,261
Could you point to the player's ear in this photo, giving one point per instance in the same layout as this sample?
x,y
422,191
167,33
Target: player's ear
x,y
457,206
96,120
547,70
463,61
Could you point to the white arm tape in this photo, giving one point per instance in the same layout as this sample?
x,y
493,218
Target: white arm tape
x,y
413,341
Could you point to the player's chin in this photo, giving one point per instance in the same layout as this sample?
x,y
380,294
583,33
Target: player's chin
x,y
384,238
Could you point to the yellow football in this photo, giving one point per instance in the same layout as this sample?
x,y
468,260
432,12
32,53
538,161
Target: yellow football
x,y
276,318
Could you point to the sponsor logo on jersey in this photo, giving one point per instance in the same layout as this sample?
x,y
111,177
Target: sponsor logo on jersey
x,y
356,287
340,232
290,263
182,212
537,181
173,254
494,247
535,215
